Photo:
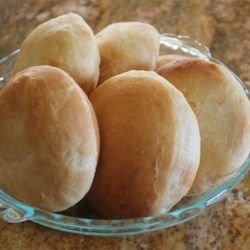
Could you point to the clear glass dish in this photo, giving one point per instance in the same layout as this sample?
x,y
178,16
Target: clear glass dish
x,y
14,211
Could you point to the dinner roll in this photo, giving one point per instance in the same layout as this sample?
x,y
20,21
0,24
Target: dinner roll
x,y
150,146
66,42
49,139
223,112
125,46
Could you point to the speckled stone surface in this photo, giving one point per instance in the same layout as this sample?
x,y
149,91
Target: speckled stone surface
x,y
224,26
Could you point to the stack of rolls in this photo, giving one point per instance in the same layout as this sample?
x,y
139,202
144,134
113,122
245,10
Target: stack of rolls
x,y
104,119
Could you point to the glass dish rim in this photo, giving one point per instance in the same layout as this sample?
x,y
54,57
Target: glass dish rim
x,y
14,211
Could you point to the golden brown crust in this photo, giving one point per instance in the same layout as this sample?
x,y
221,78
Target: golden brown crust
x,y
150,142
223,113
49,139
170,58
126,46
66,42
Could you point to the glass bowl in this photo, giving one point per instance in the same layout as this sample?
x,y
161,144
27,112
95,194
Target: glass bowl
x,y
14,211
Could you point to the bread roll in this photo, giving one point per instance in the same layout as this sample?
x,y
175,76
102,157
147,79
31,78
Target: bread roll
x,y
150,146
49,139
125,46
223,113
66,42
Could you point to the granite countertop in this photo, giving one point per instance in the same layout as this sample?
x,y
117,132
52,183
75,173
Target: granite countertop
x,y
224,26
